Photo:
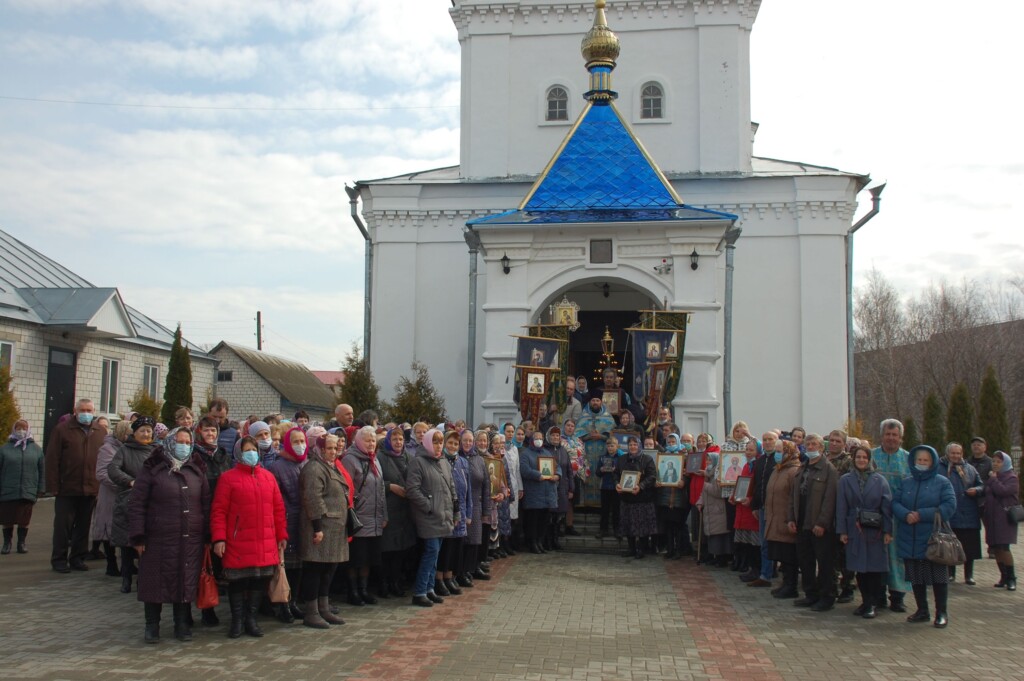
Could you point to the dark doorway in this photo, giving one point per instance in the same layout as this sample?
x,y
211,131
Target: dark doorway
x,y
60,388
585,342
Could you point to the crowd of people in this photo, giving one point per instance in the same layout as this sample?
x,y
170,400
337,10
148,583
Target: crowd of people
x,y
370,511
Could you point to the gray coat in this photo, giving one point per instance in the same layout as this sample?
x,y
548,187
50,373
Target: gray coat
x,y
865,550
370,503
122,471
324,496
480,491
431,495
815,485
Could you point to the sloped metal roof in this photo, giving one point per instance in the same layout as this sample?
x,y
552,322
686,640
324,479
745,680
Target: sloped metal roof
x,y
57,289
292,380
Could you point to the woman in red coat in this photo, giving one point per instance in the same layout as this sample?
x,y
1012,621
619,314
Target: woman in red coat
x,y
747,538
247,525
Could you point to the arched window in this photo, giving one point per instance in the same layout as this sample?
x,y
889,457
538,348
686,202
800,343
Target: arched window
x,y
652,100
558,105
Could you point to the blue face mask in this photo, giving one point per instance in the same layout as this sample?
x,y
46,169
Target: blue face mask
x,y
778,457
85,418
923,467
250,457
182,450
673,448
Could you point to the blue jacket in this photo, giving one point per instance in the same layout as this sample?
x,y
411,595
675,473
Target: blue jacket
x,y
967,514
286,472
608,480
925,492
537,493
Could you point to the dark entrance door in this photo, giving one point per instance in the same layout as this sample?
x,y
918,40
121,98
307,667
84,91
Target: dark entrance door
x,y
585,342
60,388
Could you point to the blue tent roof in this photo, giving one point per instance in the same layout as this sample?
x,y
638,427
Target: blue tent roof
x,y
601,165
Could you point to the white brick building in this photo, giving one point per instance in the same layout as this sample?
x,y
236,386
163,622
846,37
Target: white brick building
x,y
63,338
254,382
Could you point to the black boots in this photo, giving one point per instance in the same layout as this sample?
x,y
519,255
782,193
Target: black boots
x,y
440,588
112,569
1007,577
22,533
452,587
182,628
236,604
8,536
209,617
364,590
127,569
353,591
152,610
896,601
250,604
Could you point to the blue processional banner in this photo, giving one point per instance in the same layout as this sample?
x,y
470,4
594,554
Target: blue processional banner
x,y
649,347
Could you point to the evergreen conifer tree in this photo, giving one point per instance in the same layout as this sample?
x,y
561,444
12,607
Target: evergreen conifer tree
x,y
359,389
910,437
417,399
934,429
178,388
993,421
960,417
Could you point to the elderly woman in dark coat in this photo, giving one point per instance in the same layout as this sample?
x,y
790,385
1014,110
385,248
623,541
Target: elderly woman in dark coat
x,y
286,468
1001,494
969,489
400,534
324,543
168,512
864,495
539,493
637,517
433,506
364,467
122,471
480,489
922,495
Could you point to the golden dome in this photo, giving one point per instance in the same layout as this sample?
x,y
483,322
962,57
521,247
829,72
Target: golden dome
x,y
600,44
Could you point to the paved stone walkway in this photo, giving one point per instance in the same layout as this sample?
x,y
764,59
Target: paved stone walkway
x,y
566,617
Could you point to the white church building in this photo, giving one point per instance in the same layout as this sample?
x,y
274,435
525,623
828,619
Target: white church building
x,y
619,181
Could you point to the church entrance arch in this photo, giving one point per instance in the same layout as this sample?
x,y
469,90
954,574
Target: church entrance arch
x,y
604,302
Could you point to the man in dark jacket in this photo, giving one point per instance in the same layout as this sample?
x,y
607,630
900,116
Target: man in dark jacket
x,y
71,477
812,517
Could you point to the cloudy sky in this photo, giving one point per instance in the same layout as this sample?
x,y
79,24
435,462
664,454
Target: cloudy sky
x,y
194,153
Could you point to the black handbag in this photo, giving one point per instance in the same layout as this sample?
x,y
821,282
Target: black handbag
x,y
1015,513
869,520
352,524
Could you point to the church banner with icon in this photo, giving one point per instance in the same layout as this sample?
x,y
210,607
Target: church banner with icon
x,y
658,341
538,363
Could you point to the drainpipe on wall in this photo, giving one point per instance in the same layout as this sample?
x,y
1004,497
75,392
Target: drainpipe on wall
x,y
473,241
731,237
876,199
353,200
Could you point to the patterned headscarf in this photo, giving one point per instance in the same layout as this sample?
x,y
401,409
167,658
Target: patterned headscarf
x,y
23,442
168,445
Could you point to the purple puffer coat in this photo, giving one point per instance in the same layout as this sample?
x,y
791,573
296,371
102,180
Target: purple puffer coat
x,y
1001,492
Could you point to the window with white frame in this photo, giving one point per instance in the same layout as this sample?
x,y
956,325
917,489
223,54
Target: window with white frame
x,y
7,355
652,101
150,379
558,104
108,386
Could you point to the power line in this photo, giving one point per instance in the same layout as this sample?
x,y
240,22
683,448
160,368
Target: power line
x,y
227,108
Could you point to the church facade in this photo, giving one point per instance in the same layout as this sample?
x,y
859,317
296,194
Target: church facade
x,y
620,181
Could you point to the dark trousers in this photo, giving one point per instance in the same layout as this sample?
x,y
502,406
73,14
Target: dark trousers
x,y
71,518
609,511
471,556
816,557
316,580
872,588
450,557
535,522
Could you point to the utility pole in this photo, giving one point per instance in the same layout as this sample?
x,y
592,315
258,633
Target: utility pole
x,y
259,330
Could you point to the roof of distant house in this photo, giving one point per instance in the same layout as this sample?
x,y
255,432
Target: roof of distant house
x,y
330,378
292,380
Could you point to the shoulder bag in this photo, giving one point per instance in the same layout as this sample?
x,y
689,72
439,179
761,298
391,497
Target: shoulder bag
x,y
1015,513
943,546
